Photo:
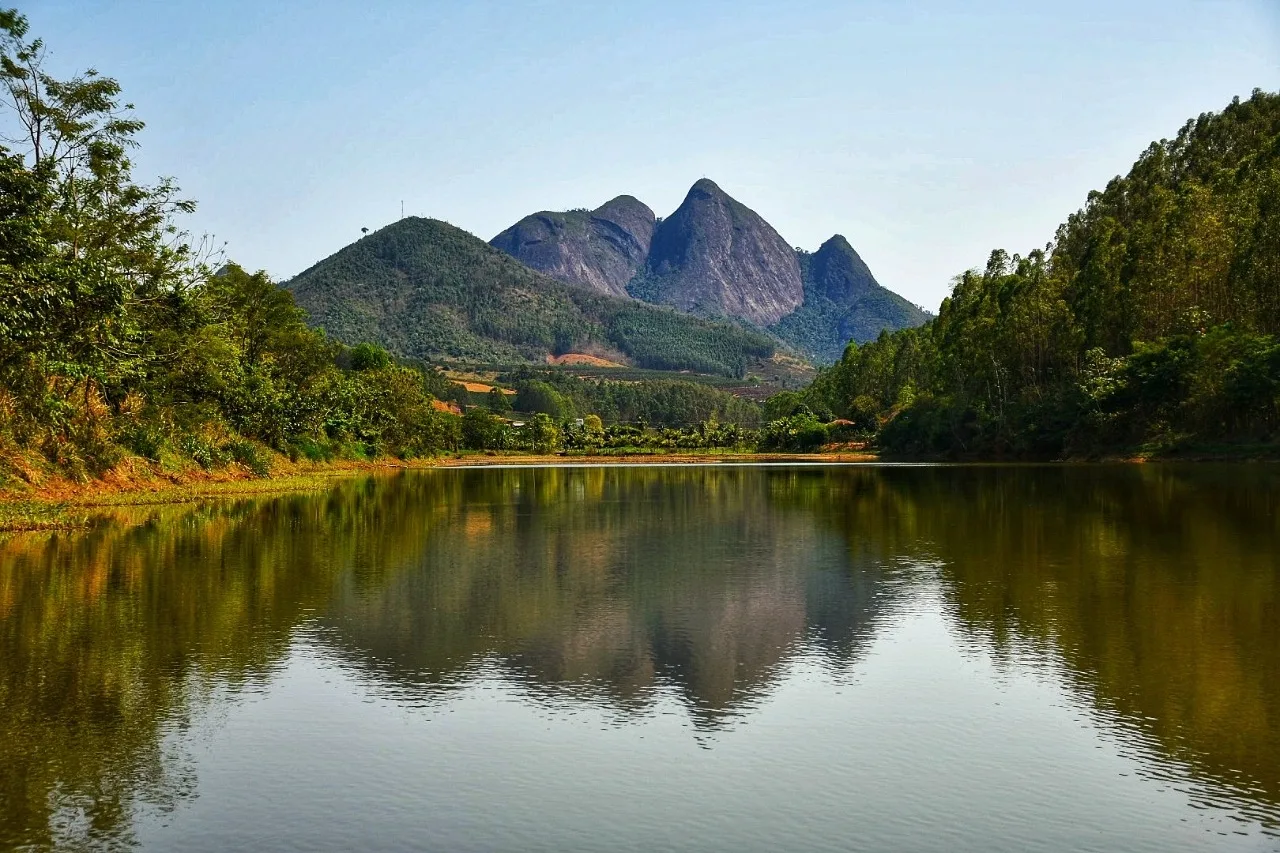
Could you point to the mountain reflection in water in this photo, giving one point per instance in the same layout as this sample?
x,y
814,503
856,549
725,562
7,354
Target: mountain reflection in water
x,y
1150,592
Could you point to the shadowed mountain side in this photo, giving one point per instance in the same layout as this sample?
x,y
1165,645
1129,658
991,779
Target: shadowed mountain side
x,y
716,257
425,289
601,249
843,302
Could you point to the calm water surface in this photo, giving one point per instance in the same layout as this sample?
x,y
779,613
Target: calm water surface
x,y
674,658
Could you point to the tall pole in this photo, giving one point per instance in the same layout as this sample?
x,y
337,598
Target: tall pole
x,y
402,208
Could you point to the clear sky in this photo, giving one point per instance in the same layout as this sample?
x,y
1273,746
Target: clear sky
x,y
928,133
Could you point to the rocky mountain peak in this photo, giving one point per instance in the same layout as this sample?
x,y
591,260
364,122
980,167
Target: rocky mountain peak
x,y
838,272
600,249
716,256
634,219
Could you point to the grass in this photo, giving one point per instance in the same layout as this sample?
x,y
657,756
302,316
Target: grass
x,y
37,515
56,503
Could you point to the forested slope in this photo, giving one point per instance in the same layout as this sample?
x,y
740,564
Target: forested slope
x,y
424,288
1150,323
118,344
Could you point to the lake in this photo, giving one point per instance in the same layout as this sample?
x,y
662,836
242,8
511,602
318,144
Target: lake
x,y
720,658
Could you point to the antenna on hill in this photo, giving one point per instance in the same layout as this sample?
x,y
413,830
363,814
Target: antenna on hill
x,y
402,208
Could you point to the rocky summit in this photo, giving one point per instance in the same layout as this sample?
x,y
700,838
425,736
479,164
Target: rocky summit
x,y
842,302
602,249
715,256
838,272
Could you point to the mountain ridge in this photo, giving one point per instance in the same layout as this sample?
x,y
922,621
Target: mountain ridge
x,y
716,257
843,302
602,249
426,289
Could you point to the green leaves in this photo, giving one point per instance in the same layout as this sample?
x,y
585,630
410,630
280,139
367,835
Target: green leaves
x,y
1154,313
114,337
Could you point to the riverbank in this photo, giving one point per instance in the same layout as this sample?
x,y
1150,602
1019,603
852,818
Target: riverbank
x,y
675,458
58,503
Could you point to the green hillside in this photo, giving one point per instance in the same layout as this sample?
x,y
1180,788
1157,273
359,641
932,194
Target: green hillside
x,y
1151,324
426,289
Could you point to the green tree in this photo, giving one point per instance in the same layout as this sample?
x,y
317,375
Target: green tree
x,y
482,431
540,397
544,436
367,356
498,402
111,258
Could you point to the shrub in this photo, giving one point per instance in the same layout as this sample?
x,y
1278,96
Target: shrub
x,y
802,432
252,456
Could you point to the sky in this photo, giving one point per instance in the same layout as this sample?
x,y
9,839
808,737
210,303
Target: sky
x,y
928,133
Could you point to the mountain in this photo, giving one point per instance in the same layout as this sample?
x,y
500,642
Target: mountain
x,y
601,249
425,289
715,256
842,302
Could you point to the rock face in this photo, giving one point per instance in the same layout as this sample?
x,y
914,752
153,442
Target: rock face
x,y
842,302
837,272
715,256
601,249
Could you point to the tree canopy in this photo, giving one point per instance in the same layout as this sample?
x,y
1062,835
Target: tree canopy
x,y
1150,321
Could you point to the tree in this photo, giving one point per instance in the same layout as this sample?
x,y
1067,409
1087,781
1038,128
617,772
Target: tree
x,y
540,397
498,402
368,356
784,404
482,431
110,255
544,436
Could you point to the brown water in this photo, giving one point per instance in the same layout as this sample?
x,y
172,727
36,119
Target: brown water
x,y
683,658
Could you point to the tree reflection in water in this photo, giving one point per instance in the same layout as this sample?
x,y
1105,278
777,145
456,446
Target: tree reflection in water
x,y
1152,590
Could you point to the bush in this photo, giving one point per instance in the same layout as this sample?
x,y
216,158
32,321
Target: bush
x,y
143,439
202,451
483,431
801,433
368,356
311,450
252,456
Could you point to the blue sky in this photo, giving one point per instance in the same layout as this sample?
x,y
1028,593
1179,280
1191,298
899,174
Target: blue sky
x,y
928,133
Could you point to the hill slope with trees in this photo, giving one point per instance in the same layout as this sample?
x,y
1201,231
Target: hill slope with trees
x,y
425,289
1151,323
